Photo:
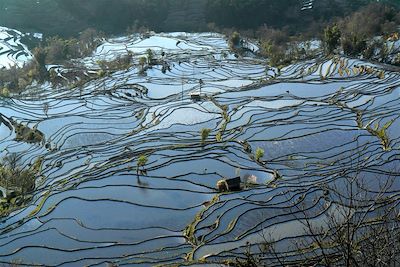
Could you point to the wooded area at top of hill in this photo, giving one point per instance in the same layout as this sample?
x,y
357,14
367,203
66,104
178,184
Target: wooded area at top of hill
x,y
69,17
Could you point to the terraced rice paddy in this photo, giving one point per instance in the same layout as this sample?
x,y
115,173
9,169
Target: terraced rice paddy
x,y
12,51
317,121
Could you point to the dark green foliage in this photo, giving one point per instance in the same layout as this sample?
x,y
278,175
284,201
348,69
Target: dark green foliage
x,y
397,60
109,16
37,16
39,65
234,39
274,53
353,33
372,47
150,57
58,49
16,79
332,36
353,45
252,13
119,63
54,50
13,176
371,20
17,181
26,134
69,17
205,132
274,45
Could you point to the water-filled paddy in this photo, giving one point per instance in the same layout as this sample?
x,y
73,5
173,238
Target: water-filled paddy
x,y
93,208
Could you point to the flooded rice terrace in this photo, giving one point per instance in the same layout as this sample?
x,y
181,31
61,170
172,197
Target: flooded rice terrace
x,y
321,123
12,50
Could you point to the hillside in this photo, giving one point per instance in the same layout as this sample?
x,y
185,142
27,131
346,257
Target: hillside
x,y
186,16
269,136
68,17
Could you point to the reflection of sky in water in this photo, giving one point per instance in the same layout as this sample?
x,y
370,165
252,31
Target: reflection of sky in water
x,y
97,202
12,51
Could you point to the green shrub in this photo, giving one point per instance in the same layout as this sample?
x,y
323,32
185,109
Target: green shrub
x,y
13,176
119,63
141,162
332,36
276,55
397,60
150,57
142,62
5,92
353,45
218,137
259,153
234,39
205,132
